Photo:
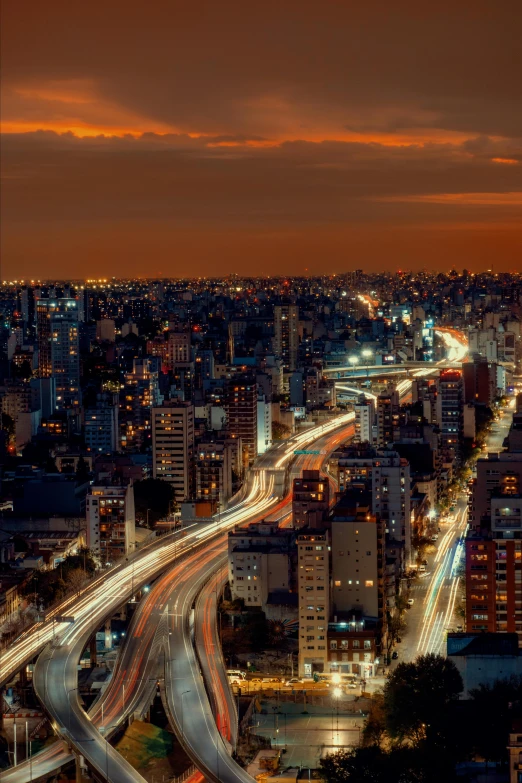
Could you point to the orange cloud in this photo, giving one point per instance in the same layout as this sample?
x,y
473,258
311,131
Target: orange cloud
x,y
464,199
507,161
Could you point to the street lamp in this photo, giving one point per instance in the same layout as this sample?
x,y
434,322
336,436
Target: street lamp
x,y
337,693
353,360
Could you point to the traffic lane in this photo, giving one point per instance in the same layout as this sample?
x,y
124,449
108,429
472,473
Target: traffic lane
x,y
208,646
187,700
432,594
133,668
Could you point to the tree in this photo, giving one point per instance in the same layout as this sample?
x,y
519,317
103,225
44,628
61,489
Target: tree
x,y
82,471
375,726
492,712
50,465
375,765
417,697
76,580
280,431
153,495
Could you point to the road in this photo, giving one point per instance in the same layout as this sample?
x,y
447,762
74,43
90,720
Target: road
x,y
435,596
59,665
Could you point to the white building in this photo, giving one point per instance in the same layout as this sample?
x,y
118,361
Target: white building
x,y
364,419
264,424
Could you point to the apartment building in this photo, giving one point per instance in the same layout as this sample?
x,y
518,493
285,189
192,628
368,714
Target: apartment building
x,y
110,521
314,601
173,446
310,499
260,563
286,334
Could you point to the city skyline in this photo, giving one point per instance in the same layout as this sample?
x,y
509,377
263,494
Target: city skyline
x,y
289,139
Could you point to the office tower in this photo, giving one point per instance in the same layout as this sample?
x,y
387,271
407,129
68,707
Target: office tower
x,y
364,416
264,424
179,347
357,557
286,334
173,446
213,468
387,417
101,428
241,410
313,584
58,348
449,413
110,521
310,499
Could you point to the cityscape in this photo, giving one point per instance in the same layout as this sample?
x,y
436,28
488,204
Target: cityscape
x,y
241,516
260,392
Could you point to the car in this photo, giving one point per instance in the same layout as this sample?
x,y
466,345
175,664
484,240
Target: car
x,y
411,601
395,655
293,681
459,629
256,679
271,679
352,685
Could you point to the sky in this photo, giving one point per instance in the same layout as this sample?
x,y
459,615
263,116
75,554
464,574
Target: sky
x,y
277,137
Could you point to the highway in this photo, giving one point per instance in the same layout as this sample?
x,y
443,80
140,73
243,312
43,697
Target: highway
x,y
59,663
210,655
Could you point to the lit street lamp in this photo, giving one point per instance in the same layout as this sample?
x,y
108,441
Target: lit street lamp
x,y
353,360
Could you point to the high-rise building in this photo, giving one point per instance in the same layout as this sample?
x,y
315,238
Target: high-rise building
x,y
241,410
313,584
139,395
387,417
179,347
58,348
213,466
286,334
449,412
173,446
101,429
357,557
264,424
480,380
110,521
385,474
494,546
310,499
364,417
